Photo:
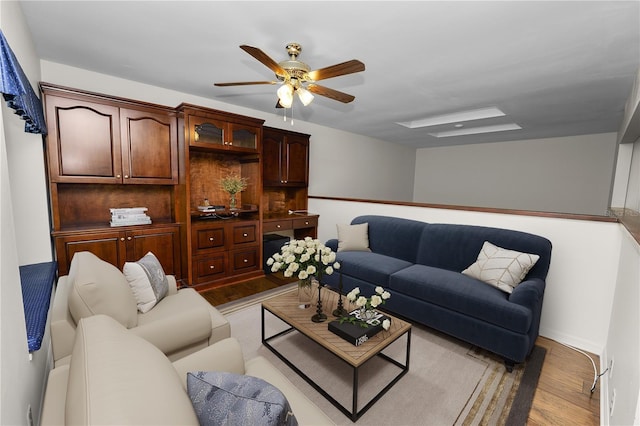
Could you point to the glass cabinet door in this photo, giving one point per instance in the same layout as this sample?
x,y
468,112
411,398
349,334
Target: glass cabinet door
x,y
206,132
244,137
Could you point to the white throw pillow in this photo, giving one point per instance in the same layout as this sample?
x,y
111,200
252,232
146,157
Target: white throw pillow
x,y
147,281
501,268
353,237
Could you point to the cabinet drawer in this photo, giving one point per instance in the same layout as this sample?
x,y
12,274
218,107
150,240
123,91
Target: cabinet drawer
x,y
208,268
209,238
244,234
277,225
306,222
244,260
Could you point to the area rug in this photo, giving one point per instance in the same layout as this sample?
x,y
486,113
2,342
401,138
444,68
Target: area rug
x,y
449,382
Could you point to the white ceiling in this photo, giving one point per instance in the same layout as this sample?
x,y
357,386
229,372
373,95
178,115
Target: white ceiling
x,y
554,68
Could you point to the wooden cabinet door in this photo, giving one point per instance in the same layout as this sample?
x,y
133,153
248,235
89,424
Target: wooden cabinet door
x,y
163,242
149,147
296,161
272,153
108,246
285,158
83,144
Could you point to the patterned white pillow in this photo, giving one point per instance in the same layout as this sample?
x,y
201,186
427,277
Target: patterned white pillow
x,y
501,268
353,237
147,281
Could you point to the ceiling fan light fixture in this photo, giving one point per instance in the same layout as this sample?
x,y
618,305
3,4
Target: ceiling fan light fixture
x,y
285,95
305,96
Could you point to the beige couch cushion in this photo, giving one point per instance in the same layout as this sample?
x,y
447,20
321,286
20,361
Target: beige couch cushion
x,y
176,322
97,287
116,378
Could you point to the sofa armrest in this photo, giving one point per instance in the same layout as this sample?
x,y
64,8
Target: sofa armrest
x,y
55,397
173,285
63,327
528,293
225,355
332,244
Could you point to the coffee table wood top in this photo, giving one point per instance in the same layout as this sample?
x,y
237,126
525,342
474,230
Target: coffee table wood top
x,y
286,308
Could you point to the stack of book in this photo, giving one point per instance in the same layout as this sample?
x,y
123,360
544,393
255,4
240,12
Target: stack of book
x,y
129,216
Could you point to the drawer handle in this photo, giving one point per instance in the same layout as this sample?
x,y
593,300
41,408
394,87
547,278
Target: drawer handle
x,y
121,238
129,238
212,267
278,226
210,238
245,260
245,235
126,176
118,176
306,222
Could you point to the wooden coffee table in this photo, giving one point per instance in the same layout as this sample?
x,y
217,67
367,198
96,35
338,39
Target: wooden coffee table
x,y
285,308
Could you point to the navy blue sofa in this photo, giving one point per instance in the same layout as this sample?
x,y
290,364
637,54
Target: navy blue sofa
x,y
421,263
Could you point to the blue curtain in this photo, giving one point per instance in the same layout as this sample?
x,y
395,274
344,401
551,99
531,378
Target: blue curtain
x,y
17,91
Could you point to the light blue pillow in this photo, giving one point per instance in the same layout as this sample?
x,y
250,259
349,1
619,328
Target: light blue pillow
x,y
221,398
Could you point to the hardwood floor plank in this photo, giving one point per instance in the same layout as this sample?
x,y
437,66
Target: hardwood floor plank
x,y
548,409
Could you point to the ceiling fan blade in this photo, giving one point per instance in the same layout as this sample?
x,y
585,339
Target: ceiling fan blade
x,y
330,93
344,68
244,83
278,104
265,59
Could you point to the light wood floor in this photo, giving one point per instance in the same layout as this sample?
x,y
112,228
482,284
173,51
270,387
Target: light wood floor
x,y
563,395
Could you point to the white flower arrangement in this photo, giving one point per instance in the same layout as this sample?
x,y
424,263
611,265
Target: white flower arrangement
x,y
306,258
368,303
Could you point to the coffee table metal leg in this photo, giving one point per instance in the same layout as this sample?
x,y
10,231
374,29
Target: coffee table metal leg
x,y
354,410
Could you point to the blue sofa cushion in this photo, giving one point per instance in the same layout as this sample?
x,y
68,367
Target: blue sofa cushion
x,y
463,294
395,237
456,247
372,267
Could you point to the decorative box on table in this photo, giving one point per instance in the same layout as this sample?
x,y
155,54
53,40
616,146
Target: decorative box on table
x,y
353,331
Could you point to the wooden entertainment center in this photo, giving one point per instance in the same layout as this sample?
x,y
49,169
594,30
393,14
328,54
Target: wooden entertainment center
x,y
106,152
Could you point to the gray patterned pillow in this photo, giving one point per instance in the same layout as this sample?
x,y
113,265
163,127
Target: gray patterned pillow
x,y
221,398
147,281
501,268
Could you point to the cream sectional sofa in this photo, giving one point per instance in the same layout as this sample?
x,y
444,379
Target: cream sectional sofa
x,y
179,324
115,377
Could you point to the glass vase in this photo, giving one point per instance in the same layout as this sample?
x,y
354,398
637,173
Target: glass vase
x,y
367,314
232,200
305,293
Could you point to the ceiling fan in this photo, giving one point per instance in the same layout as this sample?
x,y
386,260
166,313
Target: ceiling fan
x,y
296,76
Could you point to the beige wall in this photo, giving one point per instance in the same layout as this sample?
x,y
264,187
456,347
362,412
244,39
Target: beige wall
x,y
566,175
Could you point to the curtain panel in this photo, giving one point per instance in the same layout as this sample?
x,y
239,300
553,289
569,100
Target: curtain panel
x,y
17,91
